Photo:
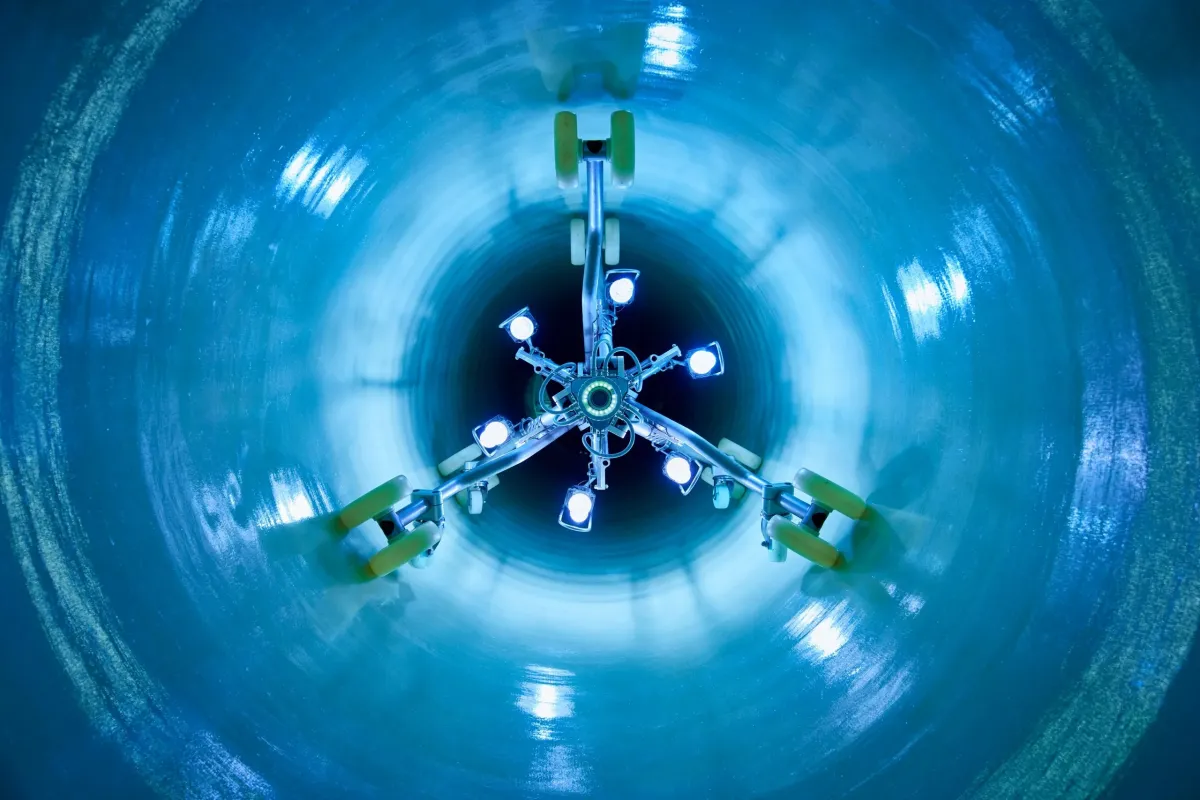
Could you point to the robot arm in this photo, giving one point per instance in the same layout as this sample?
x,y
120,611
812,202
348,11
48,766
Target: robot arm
x,y
598,395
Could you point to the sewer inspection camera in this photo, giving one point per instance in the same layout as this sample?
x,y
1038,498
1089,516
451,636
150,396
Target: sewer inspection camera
x,y
598,396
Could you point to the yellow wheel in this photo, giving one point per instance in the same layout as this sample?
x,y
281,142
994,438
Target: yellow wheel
x,y
566,149
376,501
620,148
455,462
803,542
751,461
402,550
578,242
612,241
828,493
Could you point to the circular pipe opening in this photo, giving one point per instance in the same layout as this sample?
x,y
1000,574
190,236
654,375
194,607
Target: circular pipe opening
x,y
688,295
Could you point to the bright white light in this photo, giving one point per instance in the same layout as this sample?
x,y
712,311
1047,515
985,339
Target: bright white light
x,y
521,328
666,34
702,362
579,507
679,469
545,701
669,44
494,434
826,637
621,291
319,181
924,299
954,285
667,58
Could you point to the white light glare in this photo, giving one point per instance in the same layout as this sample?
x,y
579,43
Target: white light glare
x,y
521,328
621,291
494,434
702,362
579,507
679,469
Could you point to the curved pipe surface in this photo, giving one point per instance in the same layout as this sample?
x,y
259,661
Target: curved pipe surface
x,y
252,261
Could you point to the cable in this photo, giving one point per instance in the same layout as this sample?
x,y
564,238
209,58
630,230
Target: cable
x,y
545,383
632,355
598,454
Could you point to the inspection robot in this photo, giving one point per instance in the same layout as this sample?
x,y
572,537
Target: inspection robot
x,y
598,397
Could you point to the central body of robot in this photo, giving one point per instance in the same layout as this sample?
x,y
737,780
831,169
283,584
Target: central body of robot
x,y
598,396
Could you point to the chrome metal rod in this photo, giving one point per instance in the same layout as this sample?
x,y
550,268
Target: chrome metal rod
x,y
537,360
499,462
655,365
705,452
593,272
600,443
794,504
696,445
410,513
492,465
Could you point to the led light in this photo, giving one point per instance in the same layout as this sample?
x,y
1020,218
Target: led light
x,y
678,469
599,399
521,328
702,362
705,362
682,471
620,291
579,507
620,285
492,434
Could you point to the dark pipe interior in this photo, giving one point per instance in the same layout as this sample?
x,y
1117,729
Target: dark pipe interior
x,y
643,522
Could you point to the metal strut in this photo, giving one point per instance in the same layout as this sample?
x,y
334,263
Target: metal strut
x,y
597,335
599,393
593,271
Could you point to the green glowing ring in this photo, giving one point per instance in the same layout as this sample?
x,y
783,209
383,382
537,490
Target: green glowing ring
x,y
586,395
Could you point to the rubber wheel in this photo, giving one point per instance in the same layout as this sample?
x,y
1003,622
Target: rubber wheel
x,y
566,149
777,552
737,491
828,493
474,501
803,542
455,462
402,550
612,241
578,242
620,148
464,497
751,461
379,499
722,494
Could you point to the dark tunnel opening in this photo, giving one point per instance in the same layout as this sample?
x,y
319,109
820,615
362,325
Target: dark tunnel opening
x,y
688,294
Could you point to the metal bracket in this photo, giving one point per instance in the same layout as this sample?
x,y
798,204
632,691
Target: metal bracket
x,y
771,506
561,399
432,512
721,475
593,149
816,516
433,507
482,485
